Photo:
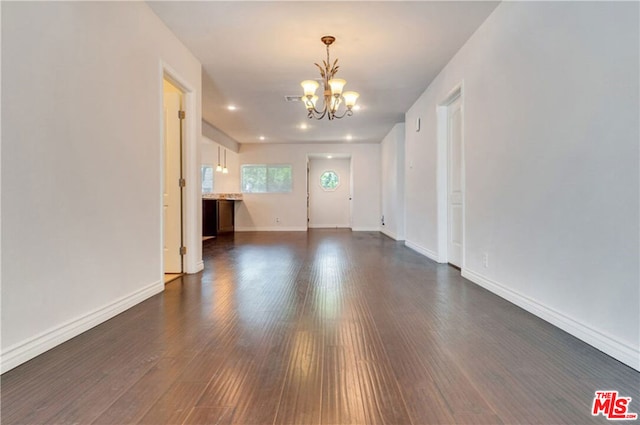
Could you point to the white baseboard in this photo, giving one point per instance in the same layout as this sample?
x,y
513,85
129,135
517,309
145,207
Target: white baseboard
x,y
329,226
34,346
271,229
299,229
391,234
618,350
422,250
365,229
199,266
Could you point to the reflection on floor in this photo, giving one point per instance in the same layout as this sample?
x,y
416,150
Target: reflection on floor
x,y
319,327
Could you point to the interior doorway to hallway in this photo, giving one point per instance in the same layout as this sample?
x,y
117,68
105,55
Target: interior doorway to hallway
x,y
173,197
451,179
455,189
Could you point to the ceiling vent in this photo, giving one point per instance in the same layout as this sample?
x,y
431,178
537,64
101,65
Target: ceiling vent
x,y
293,98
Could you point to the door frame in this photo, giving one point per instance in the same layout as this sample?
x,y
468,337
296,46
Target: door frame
x,y
180,161
442,173
192,204
308,192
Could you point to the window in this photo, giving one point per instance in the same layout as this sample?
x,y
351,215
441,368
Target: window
x,y
329,180
261,178
207,178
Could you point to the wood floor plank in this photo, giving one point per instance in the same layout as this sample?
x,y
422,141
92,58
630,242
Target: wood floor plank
x,y
342,401
264,384
318,327
175,405
210,416
135,402
300,399
92,374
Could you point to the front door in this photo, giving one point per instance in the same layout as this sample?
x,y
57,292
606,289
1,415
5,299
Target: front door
x,y
329,192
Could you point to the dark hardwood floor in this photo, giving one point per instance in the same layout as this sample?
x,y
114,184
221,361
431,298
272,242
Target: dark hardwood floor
x,y
325,327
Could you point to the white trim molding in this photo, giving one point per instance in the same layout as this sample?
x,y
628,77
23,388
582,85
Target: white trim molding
x,y
271,229
618,350
28,349
199,266
192,208
422,250
365,229
391,234
442,172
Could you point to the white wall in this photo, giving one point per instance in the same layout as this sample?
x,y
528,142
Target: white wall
x,y
222,183
392,182
551,134
81,170
329,208
259,211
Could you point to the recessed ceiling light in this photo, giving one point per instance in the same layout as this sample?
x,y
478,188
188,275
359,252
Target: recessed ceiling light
x,y
349,137
329,157
303,126
232,107
261,137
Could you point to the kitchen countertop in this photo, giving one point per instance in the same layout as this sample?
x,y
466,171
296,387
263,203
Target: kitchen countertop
x,y
223,196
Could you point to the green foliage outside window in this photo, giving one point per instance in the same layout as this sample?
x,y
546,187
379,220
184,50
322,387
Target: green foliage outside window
x,y
207,179
329,180
263,178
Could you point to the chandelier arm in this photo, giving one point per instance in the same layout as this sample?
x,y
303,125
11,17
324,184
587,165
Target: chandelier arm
x,y
321,113
324,112
347,113
315,113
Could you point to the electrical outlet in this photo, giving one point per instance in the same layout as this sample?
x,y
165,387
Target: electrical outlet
x,y
485,260
277,219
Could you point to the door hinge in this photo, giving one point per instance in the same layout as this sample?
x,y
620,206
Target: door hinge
x,y
181,115
183,250
182,182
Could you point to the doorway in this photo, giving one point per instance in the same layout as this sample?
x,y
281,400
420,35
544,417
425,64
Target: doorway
x,y
329,191
173,184
451,192
454,190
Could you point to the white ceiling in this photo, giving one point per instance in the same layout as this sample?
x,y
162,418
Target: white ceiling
x,y
255,53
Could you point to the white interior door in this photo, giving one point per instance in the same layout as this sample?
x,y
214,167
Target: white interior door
x,y
171,194
330,207
308,205
455,183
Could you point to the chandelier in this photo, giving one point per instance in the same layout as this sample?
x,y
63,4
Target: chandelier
x,y
333,95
